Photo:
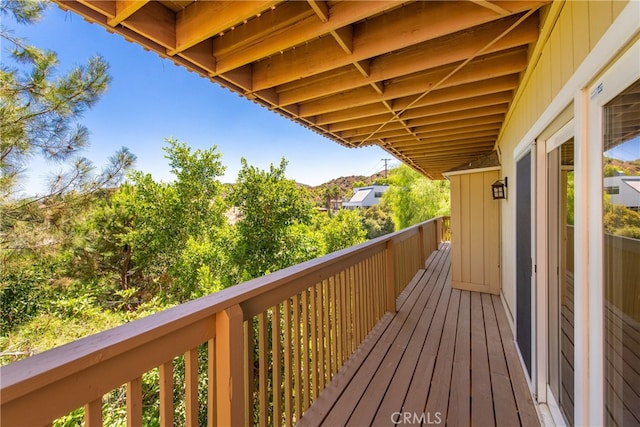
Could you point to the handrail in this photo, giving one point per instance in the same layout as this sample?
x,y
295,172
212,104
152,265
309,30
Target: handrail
x,y
79,373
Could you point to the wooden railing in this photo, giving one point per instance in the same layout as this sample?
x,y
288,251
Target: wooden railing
x,y
266,347
622,262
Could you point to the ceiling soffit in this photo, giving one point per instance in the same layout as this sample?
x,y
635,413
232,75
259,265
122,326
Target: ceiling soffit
x,y
428,81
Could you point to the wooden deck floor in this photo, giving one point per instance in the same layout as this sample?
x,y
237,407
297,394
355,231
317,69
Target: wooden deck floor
x,y
447,357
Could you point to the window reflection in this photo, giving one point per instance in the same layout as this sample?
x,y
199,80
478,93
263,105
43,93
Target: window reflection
x,y
621,204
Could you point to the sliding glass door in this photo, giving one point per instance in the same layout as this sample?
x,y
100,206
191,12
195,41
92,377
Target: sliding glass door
x,y
560,268
621,256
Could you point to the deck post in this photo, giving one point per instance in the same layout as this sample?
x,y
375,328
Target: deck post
x,y
391,277
439,226
230,367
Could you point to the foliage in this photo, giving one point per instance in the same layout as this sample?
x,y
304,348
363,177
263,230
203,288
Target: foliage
x,y
377,222
23,293
39,112
271,207
413,198
343,230
621,221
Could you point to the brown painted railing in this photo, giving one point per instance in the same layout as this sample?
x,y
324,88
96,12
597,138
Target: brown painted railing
x,y
271,344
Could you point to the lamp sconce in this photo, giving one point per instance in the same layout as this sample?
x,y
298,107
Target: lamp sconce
x,y
499,189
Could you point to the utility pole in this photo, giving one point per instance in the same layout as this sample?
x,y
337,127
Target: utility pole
x,y
385,166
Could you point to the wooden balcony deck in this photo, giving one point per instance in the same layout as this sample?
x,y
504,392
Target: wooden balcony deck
x,y
447,356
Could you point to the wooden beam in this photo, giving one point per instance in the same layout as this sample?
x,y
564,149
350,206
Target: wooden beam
x,y
465,114
342,14
447,107
321,8
104,8
492,6
455,132
480,69
202,20
438,123
460,92
124,9
462,66
428,52
344,37
423,146
154,22
463,91
253,31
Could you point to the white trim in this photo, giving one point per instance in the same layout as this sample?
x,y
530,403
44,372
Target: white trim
x,y
565,133
540,237
468,171
581,383
554,408
622,73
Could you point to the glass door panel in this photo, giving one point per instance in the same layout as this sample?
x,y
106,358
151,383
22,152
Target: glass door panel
x,y
560,281
621,260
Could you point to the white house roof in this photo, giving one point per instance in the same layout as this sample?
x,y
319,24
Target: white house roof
x,y
360,195
635,184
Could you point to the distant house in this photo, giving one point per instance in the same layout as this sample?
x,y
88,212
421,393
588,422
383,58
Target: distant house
x,y
624,190
364,197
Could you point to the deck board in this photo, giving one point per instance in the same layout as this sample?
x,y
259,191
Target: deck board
x,y
447,355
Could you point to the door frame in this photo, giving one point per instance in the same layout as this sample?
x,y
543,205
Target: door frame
x,y
543,148
623,72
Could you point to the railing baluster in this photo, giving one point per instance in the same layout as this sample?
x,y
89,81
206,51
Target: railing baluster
x,y
288,372
276,365
191,386
352,310
166,394
134,402
93,413
326,343
313,314
321,336
305,348
297,360
391,277
333,299
249,371
211,385
263,365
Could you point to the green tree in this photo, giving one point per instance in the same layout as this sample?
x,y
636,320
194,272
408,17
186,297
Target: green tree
x,y
329,194
377,222
161,237
343,230
412,198
40,112
272,207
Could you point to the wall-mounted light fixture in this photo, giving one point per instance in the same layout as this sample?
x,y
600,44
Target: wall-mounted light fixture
x,y
499,189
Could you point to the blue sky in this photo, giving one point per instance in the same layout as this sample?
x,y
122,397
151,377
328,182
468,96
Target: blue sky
x,y
151,99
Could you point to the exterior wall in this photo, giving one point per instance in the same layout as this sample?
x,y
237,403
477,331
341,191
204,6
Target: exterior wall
x,y
588,52
624,194
475,232
565,44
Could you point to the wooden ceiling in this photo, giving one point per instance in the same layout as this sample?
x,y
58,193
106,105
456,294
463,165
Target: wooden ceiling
x,y
428,81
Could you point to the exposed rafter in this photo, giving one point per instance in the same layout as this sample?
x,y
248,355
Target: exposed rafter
x,y
430,82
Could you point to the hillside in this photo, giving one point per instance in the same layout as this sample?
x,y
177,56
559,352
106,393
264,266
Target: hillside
x,y
630,168
345,183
